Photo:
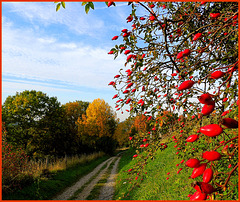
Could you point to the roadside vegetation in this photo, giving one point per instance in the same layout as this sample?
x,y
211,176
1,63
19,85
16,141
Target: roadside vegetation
x,y
59,176
41,137
153,185
164,175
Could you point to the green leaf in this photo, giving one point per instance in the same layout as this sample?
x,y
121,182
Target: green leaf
x,y
63,4
87,8
84,3
58,7
91,5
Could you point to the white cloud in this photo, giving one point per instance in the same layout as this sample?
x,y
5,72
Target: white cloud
x,y
68,45
47,40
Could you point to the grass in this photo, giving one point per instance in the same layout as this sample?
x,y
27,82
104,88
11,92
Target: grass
x,y
47,188
19,172
154,185
37,168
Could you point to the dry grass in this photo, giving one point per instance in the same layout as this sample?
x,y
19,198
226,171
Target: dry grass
x,y
40,168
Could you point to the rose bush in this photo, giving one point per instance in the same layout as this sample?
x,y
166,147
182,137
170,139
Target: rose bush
x,y
180,52
182,57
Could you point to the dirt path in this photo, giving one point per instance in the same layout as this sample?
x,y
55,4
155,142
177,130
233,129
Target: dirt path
x,y
107,191
88,182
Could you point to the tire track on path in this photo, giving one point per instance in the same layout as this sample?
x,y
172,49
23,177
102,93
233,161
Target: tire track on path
x,y
68,193
87,190
107,191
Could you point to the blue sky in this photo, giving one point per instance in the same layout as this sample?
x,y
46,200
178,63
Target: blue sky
x,y
64,53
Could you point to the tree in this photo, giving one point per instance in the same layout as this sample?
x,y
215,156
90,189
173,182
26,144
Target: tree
x,y
140,123
99,123
73,111
35,122
123,132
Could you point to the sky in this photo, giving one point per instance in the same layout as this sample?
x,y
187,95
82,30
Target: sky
x,y
64,53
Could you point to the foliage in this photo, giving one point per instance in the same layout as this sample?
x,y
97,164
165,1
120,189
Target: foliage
x,y
35,122
177,53
59,181
59,4
152,184
140,124
98,125
123,131
14,166
73,111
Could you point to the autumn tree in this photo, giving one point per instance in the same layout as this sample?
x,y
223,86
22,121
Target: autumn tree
x,y
123,132
73,111
140,123
98,125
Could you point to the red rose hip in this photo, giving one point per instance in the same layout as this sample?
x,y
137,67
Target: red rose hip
x,y
214,15
206,99
211,130
199,170
186,85
217,74
192,138
192,163
207,175
208,109
211,155
197,36
198,196
230,123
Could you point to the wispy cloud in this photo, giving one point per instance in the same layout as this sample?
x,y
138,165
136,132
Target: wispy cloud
x,y
73,18
27,53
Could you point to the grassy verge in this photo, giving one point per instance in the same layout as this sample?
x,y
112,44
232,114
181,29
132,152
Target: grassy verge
x,y
154,185
44,189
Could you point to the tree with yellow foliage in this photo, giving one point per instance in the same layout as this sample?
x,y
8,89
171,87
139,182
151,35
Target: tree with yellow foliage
x,y
98,125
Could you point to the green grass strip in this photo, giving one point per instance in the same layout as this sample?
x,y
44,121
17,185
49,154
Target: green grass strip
x,y
94,195
46,190
87,183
